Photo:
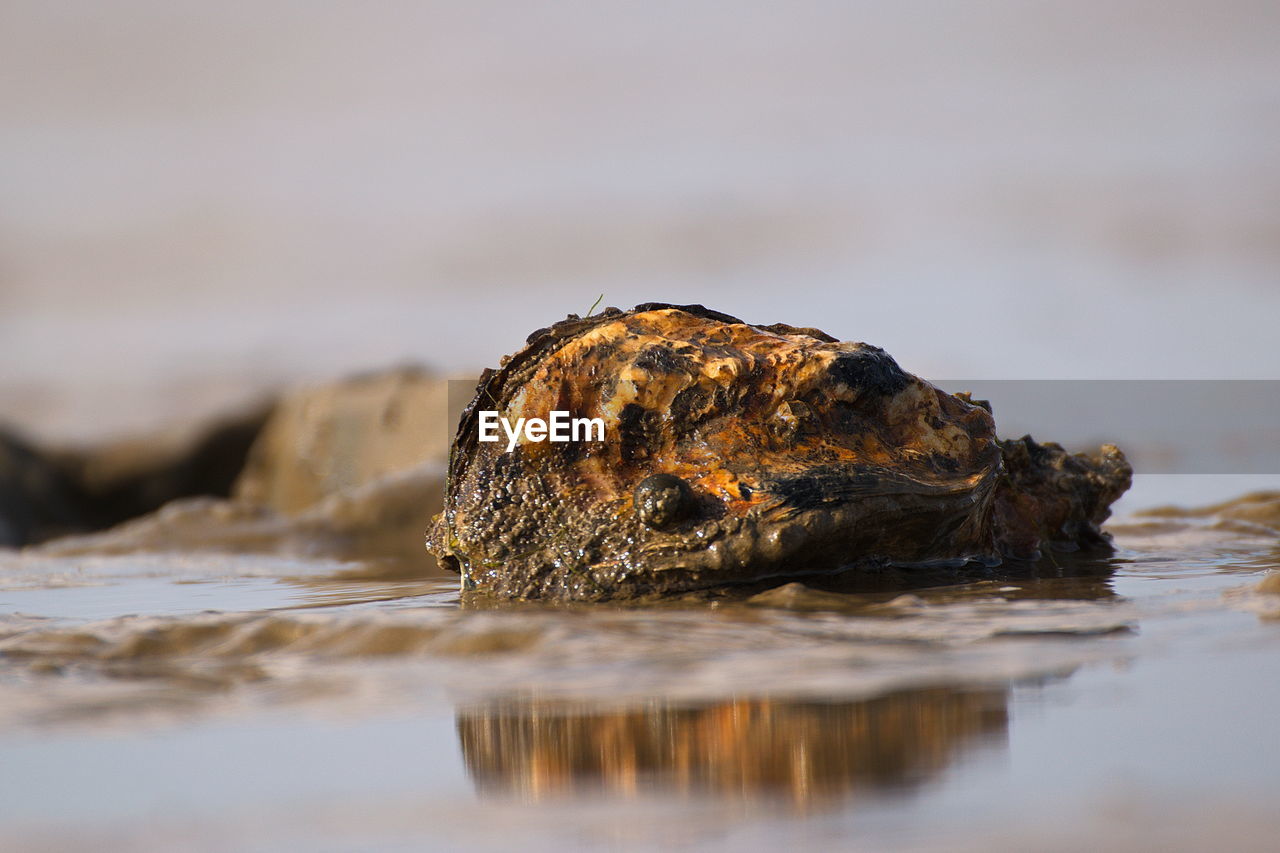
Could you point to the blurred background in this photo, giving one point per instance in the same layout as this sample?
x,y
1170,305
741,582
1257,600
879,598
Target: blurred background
x,y
199,201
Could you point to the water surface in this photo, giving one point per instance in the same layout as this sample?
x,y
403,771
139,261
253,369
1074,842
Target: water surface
x,y
203,701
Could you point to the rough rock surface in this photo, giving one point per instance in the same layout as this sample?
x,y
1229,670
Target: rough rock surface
x,y
736,453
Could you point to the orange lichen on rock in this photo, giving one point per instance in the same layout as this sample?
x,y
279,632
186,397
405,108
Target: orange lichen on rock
x,y
732,452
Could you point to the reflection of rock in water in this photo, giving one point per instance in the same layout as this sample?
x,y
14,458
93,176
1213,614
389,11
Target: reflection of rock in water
x,y
807,752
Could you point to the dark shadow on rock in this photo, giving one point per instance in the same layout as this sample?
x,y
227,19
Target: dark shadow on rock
x,y
45,494
38,498
131,478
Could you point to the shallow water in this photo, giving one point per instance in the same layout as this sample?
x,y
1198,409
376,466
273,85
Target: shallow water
x,y
203,701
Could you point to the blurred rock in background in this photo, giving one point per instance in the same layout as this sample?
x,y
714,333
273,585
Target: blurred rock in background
x,y
352,469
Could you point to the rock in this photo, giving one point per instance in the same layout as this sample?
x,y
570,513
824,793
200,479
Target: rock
x,y
1253,512
329,439
352,469
38,498
380,521
46,493
738,453
130,478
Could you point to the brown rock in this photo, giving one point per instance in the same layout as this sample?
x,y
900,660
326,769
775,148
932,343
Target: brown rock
x,y
330,439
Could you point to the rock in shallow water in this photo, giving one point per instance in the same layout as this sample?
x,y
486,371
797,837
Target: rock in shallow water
x,y
735,453
38,499
331,438
46,493
352,469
